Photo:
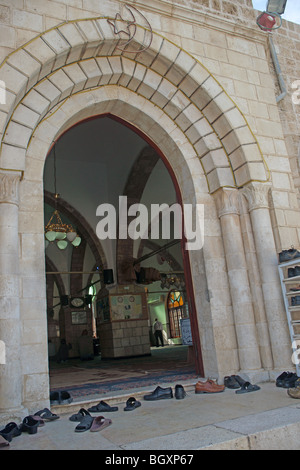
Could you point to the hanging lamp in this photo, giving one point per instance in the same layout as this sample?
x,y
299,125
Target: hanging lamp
x,y
56,230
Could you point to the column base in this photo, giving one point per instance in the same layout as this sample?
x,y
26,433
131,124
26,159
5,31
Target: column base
x,y
14,414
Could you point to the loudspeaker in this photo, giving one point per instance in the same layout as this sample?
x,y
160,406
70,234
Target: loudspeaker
x,y
108,276
64,300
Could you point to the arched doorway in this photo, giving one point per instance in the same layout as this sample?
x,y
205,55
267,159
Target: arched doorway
x,y
125,165
172,99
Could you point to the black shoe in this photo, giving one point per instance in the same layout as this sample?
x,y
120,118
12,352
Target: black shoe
x,y
290,381
286,380
29,425
231,382
159,394
11,430
179,392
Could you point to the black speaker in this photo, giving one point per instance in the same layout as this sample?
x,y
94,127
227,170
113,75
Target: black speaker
x,y
108,276
64,300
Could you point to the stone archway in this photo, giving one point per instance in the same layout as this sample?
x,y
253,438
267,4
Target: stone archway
x,y
73,72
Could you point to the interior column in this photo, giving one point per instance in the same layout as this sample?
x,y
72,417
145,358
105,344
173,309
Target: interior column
x,y
10,329
248,349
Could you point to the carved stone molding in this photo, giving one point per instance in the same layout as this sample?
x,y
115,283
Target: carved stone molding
x,y
256,195
227,201
9,187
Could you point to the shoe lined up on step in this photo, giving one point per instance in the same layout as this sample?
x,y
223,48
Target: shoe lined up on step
x,y
286,380
210,386
165,393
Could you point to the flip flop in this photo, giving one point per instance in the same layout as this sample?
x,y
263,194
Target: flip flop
x,y
100,423
78,417
85,424
132,404
248,387
46,414
102,406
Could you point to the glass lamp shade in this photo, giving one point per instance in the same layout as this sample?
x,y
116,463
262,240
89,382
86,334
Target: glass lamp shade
x,y
62,244
76,242
60,235
71,236
50,236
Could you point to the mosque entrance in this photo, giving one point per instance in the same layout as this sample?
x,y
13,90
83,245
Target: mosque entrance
x,y
104,294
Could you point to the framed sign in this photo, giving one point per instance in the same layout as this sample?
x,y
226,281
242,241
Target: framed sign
x,y
186,332
126,307
79,318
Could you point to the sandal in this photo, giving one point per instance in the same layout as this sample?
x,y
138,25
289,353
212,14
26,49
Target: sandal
x,y
11,430
100,423
102,406
131,404
29,425
85,424
46,414
78,417
248,387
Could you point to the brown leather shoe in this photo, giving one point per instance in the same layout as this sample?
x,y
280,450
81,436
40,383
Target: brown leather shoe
x,y
208,387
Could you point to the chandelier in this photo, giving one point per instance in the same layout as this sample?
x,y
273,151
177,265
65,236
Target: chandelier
x,y
169,280
56,230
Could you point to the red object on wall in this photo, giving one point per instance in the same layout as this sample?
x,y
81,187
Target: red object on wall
x,y
266,21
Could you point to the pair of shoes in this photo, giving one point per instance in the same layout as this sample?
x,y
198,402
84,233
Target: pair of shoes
x,y
11,430
159,394
231,382
102,406
293,272
288,255
286,380
295,301
60,398
208,387
84,419
132,404
242,386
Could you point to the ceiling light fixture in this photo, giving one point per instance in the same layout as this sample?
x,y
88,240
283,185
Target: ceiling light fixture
x,y
56,230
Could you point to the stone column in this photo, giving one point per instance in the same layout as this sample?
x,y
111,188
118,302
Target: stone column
x,y
10,329
248,349
257,197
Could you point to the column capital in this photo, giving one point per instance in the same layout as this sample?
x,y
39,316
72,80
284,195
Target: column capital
x,y
227,201
9,186
256,195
